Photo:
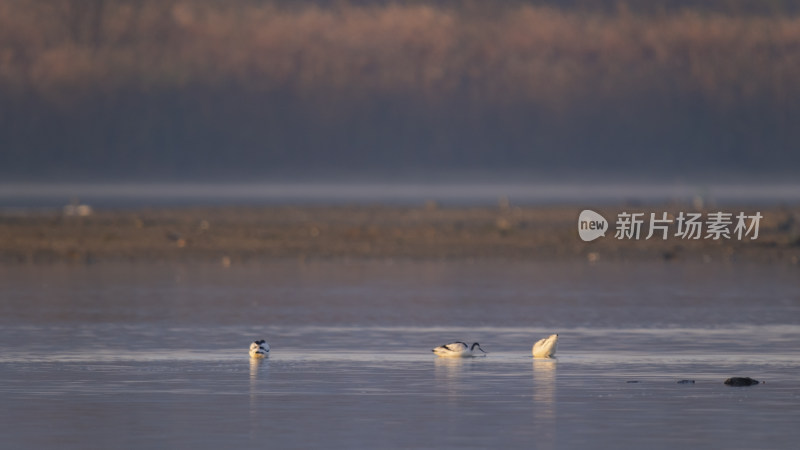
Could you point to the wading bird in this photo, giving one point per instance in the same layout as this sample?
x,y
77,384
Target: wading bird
x,y
259,349
545,348
457,349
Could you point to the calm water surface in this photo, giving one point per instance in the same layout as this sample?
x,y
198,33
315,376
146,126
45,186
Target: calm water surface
x,y
470,192
118,356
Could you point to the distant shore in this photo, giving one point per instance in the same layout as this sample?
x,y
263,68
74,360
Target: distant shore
x,y
239,235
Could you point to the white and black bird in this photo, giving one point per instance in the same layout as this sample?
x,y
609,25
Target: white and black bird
x,y
457,349
259,349
545,348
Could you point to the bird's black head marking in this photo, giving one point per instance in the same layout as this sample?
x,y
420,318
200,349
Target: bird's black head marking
x,y
477,345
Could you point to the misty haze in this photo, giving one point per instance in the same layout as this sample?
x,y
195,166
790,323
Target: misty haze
x,y
200,90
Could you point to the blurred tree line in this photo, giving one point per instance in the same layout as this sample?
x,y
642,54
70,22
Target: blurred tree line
x,y
178,88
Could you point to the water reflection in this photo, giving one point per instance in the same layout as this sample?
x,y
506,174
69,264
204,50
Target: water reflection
x,y
452,377
448,373
544,399
259,373
259,368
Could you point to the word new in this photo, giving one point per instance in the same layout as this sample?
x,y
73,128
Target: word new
x,y
591,225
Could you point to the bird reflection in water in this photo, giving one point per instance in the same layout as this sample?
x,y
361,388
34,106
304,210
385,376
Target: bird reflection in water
x,y
259,372
544,402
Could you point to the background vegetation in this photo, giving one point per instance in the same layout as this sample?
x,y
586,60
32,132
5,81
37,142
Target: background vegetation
x,y
178,88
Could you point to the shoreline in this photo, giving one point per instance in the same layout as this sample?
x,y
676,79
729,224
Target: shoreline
x,y
238,235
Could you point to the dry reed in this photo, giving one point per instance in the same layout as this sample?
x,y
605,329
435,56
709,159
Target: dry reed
x,y
548,57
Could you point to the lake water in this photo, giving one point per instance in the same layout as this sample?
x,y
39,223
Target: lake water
x,y
155,356
612,191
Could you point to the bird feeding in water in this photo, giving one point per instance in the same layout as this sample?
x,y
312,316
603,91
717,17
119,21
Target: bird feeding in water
x,y
457,349
545,348
259,349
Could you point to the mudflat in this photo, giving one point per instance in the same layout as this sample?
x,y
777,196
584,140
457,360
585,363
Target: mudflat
x,y
234,235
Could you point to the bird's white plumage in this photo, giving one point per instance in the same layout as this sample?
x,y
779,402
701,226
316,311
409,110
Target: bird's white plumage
x,y
259,349
545,348
457,349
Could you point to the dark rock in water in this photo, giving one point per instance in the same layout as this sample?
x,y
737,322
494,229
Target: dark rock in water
x,y
741,381
632,381
686,382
